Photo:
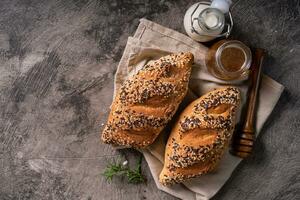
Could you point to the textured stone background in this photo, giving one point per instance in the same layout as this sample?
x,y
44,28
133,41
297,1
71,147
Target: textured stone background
x,y
57,60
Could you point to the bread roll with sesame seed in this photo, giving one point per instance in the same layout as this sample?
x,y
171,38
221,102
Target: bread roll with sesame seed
x,y
200,136
147,101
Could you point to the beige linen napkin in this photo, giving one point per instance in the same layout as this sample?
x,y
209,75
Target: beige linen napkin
x,y
150,42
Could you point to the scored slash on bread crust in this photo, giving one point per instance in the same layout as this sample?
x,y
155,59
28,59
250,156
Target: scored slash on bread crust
x,y
200,136
147,101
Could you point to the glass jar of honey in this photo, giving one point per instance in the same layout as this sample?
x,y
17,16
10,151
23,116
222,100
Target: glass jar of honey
x,y
229,60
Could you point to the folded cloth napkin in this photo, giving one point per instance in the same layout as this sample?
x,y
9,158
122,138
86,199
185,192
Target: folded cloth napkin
x,y
152,41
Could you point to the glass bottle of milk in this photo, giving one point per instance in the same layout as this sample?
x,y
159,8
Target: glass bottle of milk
x,y
205,21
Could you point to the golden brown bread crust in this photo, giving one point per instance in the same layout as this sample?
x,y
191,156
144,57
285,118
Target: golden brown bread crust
x,y
147,101
200,136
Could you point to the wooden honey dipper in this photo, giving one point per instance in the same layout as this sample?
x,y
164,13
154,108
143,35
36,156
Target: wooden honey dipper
x,y
243,140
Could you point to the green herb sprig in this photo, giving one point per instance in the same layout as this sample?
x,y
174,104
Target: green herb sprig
x,y
117,168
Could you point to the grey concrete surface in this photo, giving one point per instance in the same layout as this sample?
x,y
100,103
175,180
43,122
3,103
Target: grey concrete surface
x,y
57,61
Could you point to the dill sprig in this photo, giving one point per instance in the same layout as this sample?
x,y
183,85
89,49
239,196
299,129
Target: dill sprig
x,y
117,168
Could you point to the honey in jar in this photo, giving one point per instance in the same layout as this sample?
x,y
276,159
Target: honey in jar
x,y
228,60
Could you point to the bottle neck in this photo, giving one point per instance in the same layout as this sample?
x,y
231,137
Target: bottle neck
x,y
211,20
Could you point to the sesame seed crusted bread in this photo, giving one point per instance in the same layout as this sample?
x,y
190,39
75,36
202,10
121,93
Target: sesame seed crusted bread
x,y
147,101
200,136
